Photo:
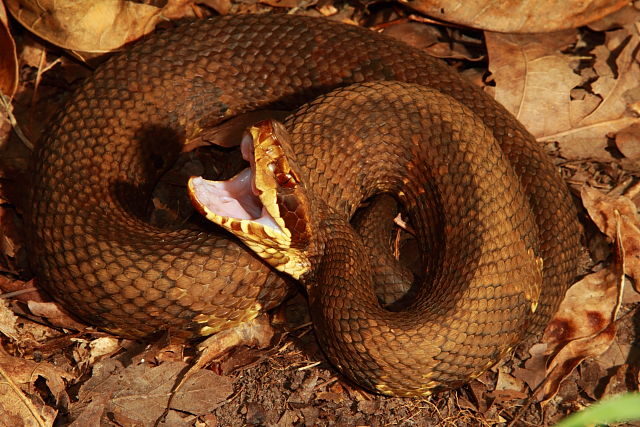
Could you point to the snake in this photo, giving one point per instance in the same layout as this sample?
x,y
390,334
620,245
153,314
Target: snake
x,y
370,116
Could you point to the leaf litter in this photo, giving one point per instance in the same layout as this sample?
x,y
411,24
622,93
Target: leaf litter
x,y
577,90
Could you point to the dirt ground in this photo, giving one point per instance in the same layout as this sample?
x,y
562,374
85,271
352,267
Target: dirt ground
x,y
55,370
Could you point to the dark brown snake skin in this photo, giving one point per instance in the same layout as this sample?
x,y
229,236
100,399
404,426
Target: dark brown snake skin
x,y
93,251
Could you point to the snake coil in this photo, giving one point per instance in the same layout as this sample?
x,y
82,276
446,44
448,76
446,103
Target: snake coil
x,y
92,249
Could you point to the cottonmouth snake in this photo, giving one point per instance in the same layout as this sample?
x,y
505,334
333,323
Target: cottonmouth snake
x,y
93,250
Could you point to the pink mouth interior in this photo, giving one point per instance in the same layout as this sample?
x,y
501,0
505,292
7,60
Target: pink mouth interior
x,y
237,197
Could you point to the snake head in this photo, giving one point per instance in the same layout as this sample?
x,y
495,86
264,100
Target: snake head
x,y
266,205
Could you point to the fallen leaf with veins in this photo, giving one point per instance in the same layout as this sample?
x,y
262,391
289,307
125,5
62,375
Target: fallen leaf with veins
x,y
517,16
92,25
605,211
584,325
533,79
537,83
24,373
139,394
616,90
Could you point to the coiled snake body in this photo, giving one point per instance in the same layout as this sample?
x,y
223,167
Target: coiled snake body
x,y
92,249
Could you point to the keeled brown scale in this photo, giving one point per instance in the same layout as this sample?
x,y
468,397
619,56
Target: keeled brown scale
x,y
93,173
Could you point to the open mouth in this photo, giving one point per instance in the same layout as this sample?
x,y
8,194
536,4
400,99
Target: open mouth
x,y
266,204
237,199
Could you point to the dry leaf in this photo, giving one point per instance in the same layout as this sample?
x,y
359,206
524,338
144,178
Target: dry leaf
x,y
282,3
508,382
628,141
625,16
7,321
508,387
517,16
429,39
257,332
52,312
21,409
584,325
620,352
24,373
613,105
8,59
605,211
536,82
10,239
533,79
534,371
86,25
18,290
139,394
221,6
102,347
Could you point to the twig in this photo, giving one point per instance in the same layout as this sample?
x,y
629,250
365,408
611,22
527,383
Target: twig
x,y
14,123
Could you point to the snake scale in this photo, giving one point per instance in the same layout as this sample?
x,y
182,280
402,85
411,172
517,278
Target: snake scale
x,y
93,250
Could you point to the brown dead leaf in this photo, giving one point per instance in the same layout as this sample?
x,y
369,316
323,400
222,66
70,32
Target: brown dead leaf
x,y
10,237
590,375
26,334
507,381
584,325
430,39
628,141
8,59
508,388
534,371
516,16
605,211
257,332
536,82
7,321
52,313
625,16
620,352
613,105
533,79
139,394
19,290
618,383
221,6
20,409
26,372
101,347
283,3
86,25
